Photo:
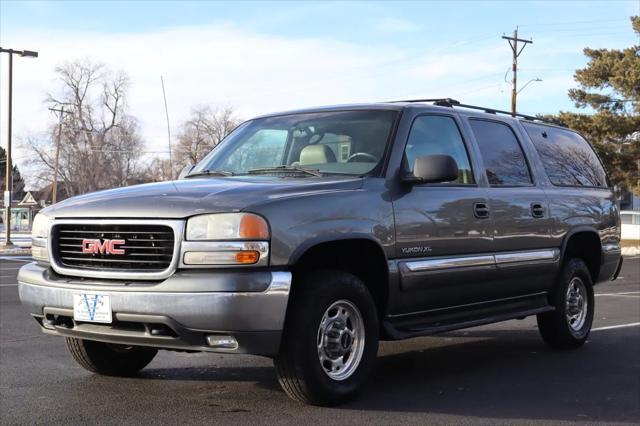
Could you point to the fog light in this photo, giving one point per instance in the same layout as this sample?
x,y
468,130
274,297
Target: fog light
x,y
39,253
222,342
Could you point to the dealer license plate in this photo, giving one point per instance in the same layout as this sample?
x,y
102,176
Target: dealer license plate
x,y
92,307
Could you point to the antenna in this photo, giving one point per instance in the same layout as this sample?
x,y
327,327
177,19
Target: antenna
x,y
166,111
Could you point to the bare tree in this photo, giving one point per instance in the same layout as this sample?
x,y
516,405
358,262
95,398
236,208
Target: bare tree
x,y
100,146
158,169
202,131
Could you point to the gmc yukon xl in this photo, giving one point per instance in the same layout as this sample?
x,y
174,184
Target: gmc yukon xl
x,y
308,236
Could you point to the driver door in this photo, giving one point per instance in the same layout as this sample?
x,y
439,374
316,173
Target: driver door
x,y
443,237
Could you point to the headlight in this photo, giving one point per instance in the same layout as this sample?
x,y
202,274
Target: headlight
x,y
227,226
39,235
226,239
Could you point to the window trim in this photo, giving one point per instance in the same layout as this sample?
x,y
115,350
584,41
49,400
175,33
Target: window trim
x,y
606,172
465,144
532,176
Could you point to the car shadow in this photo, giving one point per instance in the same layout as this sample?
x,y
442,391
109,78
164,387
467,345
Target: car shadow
x,y
495,374
265,377
505,374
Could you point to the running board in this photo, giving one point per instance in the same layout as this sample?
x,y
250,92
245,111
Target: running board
x,y
397,329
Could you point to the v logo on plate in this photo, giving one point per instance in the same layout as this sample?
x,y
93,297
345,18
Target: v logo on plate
x,y
91,307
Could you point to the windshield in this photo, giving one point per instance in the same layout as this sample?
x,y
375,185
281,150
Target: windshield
x,y
345,142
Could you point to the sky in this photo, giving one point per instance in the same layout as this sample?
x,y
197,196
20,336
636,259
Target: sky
x,y
261,57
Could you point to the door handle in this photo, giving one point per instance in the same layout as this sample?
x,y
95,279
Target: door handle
x,y
537,210
481,210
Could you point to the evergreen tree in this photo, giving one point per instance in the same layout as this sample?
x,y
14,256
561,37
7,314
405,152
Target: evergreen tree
x,y
610,85
18,181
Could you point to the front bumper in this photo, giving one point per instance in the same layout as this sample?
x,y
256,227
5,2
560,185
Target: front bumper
x,y
180,312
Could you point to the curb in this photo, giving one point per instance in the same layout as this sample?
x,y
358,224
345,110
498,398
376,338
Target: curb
x,y
16,251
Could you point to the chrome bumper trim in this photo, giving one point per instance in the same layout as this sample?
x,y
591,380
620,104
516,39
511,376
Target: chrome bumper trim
x,y
220,311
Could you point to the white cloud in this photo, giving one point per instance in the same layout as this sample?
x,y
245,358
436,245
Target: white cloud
x,y
223,65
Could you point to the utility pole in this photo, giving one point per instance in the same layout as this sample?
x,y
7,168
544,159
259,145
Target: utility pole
x,y
54,191
513,42
9,166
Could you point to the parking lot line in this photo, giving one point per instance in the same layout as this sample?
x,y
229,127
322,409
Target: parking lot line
x,y
612,327
25,259
622,294
8,285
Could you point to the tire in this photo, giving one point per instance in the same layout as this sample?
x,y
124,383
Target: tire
x,y
328,316
568,326
109,359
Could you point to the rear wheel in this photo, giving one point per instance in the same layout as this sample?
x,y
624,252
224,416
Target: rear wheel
x,y
109,359
330,339
568,326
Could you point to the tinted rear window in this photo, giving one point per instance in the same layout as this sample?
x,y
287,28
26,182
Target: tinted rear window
x,y
502,155
568,159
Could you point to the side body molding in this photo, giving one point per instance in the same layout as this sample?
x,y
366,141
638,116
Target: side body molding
x,y
498,259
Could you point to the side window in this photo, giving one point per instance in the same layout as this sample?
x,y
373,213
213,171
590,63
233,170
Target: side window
x,y
438,135
501,153
568,159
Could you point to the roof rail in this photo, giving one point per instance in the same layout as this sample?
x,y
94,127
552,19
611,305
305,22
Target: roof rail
x,y
448,102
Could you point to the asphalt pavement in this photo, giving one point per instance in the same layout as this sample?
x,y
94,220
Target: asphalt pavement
x,y
497,374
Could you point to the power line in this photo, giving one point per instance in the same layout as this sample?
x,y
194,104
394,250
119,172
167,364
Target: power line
x,y
598,21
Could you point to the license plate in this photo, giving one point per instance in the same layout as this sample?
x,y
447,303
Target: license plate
x,y
92,307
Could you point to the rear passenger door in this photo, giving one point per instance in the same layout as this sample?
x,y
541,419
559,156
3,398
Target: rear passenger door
x,y
519,212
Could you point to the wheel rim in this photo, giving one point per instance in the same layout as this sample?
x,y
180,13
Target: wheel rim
x,y
577,304
340,340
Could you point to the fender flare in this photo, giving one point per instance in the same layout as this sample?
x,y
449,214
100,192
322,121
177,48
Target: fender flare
x,y
575,230
307,245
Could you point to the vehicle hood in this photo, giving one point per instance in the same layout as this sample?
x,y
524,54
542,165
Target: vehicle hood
x,y
188,197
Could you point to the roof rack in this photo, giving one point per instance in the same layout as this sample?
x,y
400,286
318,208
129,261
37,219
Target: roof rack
x,y
448,102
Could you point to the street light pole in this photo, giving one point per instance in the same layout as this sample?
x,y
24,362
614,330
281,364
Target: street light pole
x,y
533,80
9,165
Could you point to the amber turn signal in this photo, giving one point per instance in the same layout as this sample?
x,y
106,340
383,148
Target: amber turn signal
x,y
247,257
253,227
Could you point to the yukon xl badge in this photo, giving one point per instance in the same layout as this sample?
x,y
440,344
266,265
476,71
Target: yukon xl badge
x,y
416,250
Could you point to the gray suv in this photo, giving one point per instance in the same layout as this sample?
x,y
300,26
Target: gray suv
x,y
308,236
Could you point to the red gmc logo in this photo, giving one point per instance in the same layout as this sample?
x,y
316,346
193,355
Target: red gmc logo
x,y
93,246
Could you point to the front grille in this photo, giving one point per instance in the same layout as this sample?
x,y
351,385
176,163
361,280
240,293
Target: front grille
x,y
147,248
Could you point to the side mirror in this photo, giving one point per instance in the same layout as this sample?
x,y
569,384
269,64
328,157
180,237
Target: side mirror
x,y
433,169
185,171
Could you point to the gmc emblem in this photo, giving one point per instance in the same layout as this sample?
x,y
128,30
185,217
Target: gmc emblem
x,y
94,246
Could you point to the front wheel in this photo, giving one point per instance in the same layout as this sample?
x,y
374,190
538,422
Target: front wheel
x,y
330,339
568,326
109,359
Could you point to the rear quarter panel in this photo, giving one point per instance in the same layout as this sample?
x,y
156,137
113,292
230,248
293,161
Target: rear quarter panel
x,y
587,209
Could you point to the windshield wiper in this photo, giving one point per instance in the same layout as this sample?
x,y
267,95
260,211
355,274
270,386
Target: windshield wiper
x,y
211,173
278,169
